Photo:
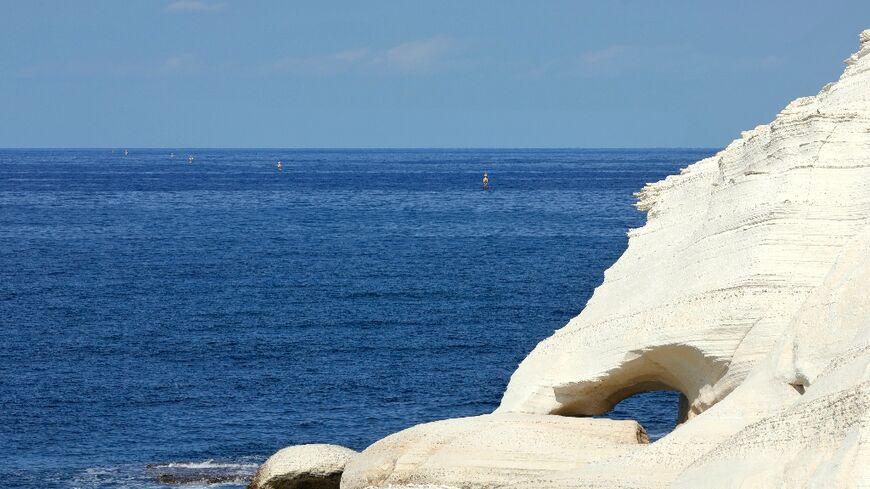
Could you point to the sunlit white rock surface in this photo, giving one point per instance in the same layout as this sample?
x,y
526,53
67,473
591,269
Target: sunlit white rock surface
x,y
731,249
315,466
490,449
748,291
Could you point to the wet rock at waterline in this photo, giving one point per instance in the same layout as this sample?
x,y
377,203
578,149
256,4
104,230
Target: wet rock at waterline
x,y
208,472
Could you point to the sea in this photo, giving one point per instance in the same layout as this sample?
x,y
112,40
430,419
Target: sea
x,y
163,316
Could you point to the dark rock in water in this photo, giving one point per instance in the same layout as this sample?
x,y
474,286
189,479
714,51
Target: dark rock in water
x,y
331,481
196,478
201,472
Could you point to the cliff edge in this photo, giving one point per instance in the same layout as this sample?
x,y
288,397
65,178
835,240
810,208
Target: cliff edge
x,y
747,291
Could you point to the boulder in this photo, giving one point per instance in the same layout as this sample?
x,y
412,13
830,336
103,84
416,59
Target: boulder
x,y
316,466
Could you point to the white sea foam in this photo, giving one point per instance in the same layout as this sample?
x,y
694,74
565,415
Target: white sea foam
x,y
206,464
236,474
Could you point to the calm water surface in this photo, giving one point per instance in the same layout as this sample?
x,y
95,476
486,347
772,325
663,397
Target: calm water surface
x,y
155,311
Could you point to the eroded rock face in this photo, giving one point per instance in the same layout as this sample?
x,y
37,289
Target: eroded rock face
x,y
755,261
748,290
490,450
819,437
313,466
731,249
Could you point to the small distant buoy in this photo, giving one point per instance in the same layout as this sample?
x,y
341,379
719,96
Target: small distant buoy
x,y
125,152
171,156
485,181
280,166
190,158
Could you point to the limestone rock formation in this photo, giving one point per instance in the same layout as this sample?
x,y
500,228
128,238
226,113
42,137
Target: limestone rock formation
x,y
489,449
731,249
822,437
747,290
315,466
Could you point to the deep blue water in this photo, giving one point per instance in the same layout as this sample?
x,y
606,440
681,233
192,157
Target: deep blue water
x,y
156,311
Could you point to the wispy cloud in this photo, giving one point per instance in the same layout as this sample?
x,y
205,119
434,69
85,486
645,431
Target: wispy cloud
x,y
182,6
182,64
601,56
415,56
412,57
323,65
770,61
176,65
606,61
672,61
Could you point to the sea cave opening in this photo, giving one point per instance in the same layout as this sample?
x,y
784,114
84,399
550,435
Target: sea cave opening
x,y
658,411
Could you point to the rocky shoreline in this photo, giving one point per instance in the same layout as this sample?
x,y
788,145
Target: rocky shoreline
x,y
747,291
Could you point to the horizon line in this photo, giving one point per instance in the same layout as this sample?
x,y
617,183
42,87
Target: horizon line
x,y
343,148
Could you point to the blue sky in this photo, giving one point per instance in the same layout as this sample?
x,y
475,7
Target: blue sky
x,y
403,73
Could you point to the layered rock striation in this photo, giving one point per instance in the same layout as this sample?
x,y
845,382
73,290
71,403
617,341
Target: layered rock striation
x,y
731,249
489,449
747,290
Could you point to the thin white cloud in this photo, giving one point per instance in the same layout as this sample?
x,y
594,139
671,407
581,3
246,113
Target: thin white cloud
x,y
607,61
600,56
416,56
352,55
672,61
184,64
172,66
770,61
328,64
182,6
412,57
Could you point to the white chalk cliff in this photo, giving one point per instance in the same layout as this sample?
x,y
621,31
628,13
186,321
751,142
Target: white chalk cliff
x,y
748,291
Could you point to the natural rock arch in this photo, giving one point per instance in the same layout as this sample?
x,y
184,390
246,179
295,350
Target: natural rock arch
x,y
748,281
680,368
657,412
